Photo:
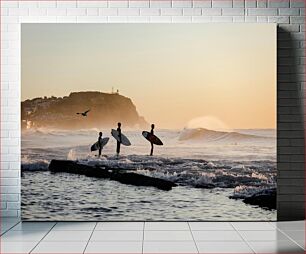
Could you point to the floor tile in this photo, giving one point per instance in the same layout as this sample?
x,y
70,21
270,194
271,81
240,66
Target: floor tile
x,y
5,226
107,236
23,236
169,247
17,247
33,226
297,235
276,247
258,235
120,226
167,236
166,226
253,226
301,243
3,230
273,223
221,226
60,247
216,236
290,225
68,226
67,236
9,220
160,237
114,247
8,224
223,247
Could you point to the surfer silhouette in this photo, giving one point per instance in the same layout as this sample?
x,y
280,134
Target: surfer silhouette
x,y
152,132
118,142
149,136
100,143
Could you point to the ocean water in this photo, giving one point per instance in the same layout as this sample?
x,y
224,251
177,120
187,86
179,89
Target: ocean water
x,y
236,164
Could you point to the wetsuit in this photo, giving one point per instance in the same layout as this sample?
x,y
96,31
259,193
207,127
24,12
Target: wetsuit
x,y
118,143
100,147
152,132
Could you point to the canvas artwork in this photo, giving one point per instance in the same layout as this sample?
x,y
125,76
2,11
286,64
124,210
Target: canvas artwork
x,y
154,122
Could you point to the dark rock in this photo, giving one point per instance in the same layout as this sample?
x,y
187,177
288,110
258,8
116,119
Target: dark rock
x,y
265,199
205,186
76,168
115,174
142,180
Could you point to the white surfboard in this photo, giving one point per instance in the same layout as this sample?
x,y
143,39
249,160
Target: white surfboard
x,y
124,140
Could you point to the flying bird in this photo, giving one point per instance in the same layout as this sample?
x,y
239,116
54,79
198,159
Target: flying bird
x,y
84,113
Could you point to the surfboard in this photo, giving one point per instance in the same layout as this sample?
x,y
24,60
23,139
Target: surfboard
x,y
152,138
96,145
124,140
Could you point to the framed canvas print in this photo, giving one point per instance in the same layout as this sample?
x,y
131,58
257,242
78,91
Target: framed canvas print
x,y
154,122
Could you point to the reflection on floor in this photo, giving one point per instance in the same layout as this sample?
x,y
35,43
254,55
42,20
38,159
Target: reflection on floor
x,y
152,237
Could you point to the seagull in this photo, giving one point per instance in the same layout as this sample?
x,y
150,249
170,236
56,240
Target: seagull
x,y
84,113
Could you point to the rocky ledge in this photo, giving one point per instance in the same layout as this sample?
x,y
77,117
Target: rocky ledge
x,y
120,175
265,199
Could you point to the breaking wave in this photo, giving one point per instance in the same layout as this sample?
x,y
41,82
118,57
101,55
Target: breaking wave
x,y
243,191
33,164
205,135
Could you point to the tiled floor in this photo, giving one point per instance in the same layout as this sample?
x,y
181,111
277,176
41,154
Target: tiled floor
x,y
152,237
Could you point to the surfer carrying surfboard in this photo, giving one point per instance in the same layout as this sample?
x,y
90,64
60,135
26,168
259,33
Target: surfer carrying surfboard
x,y
100,143
152,133
152,138
120,140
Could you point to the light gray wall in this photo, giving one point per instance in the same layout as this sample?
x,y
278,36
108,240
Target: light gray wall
x,y
289,14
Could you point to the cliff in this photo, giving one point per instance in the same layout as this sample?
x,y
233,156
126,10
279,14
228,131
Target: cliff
x,y
105,111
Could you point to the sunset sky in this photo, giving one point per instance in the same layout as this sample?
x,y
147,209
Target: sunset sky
x,y
172,72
